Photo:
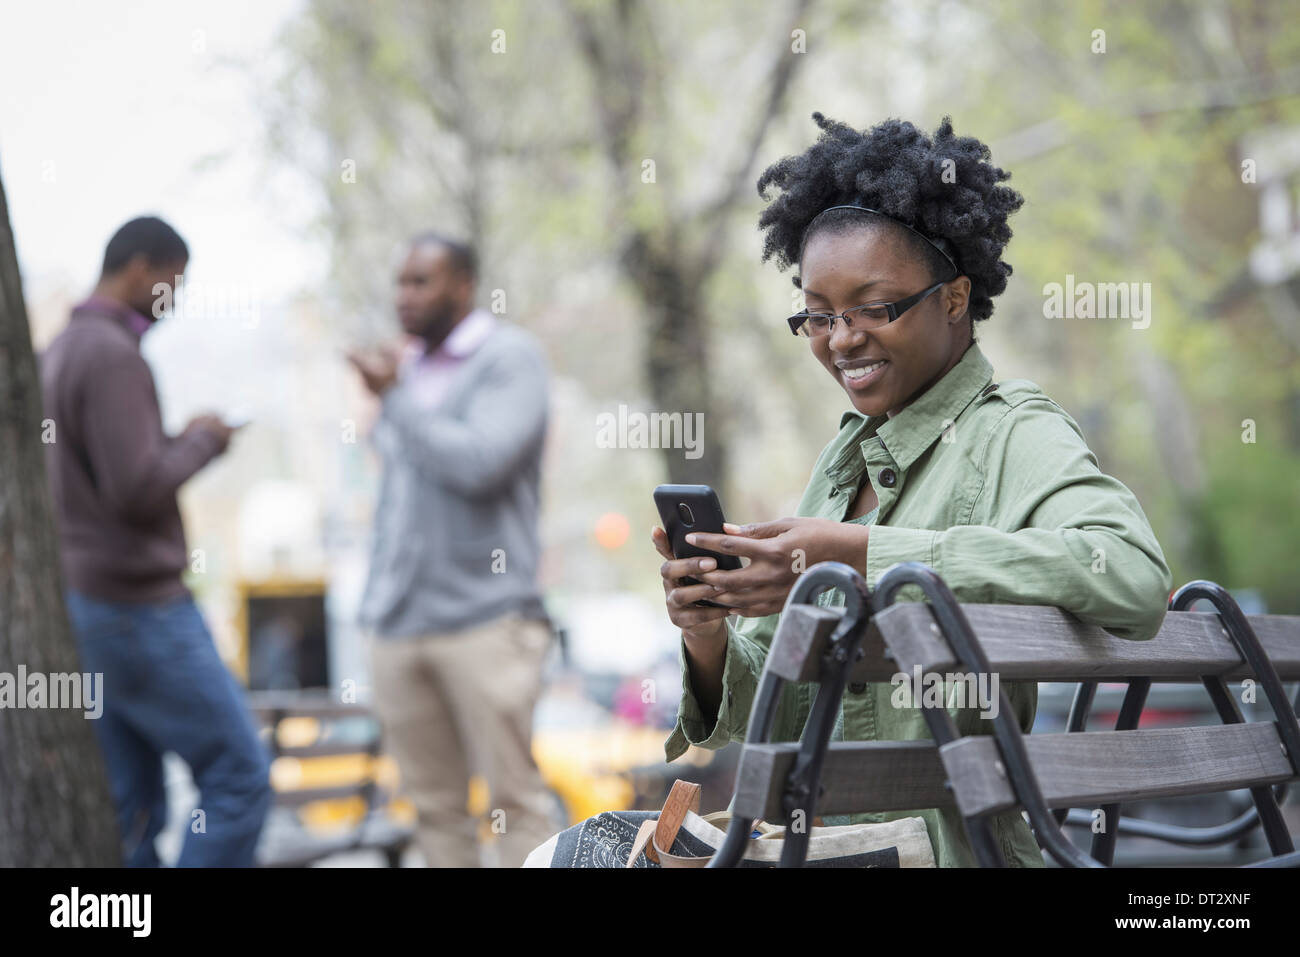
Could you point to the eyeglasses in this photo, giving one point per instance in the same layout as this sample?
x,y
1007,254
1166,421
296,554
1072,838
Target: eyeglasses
x,y
870,316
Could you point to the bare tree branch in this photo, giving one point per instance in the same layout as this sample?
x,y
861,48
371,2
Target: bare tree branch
x,y
782,72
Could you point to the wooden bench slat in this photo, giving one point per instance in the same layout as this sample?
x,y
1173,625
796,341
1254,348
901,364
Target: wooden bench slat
x,y
856,776
1083,769
800,641
1043,643
1092,768
300,796
267,705
324,749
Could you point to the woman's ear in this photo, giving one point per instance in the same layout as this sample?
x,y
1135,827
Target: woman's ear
x,y
957,297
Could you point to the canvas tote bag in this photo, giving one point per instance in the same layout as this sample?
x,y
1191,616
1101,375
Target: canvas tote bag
x,y
679,836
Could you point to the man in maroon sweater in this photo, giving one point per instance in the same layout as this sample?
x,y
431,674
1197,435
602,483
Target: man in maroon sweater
x,y
115,474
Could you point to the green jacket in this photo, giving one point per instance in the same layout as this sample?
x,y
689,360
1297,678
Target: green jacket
x,y
993,487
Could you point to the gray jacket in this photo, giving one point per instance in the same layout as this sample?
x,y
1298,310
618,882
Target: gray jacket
x,y
455,532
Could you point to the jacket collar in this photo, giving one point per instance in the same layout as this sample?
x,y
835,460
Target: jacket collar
x,y
907,435
470,333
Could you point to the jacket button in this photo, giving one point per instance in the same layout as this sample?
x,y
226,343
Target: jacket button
x,y
888,478
858,687
989,388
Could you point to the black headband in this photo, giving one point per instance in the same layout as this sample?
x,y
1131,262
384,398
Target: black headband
x,y
932,242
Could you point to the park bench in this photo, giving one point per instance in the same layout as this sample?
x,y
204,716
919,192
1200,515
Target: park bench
x,y
872,638
349,733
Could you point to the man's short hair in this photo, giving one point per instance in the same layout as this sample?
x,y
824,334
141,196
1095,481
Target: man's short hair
x,y
462,255
148,236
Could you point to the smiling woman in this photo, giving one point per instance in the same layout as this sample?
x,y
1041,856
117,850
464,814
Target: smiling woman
x,y
898,238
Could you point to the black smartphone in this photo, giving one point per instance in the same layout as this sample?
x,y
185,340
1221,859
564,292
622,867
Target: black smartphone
x,y
692,508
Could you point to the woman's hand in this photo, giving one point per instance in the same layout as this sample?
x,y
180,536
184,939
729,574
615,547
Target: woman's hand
x,y
695,622
704,630
778,552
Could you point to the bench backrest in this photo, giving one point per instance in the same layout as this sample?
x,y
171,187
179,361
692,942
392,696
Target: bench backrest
x,y
1081,769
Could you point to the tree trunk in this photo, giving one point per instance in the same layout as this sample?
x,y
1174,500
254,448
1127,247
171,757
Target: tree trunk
x,y
55,808
677,360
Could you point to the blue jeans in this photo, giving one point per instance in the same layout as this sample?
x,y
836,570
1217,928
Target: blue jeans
x,y
166,689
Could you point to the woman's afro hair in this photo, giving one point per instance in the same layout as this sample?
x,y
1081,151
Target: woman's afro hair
x,y
899,170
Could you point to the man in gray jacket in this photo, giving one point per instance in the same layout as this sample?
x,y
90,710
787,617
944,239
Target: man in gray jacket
x,y
459,632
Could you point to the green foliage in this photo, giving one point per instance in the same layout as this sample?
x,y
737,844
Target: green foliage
x,y
1254,505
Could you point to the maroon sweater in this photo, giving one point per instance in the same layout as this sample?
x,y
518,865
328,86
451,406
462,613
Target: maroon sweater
x,y
113,471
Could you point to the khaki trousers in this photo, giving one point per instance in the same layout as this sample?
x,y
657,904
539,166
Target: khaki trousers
x,y
458,702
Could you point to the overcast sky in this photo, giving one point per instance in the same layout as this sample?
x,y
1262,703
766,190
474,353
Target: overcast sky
x,y
110,110
113,110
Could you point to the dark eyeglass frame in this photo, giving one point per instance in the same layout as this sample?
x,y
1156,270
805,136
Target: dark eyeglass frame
x,y
893,309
